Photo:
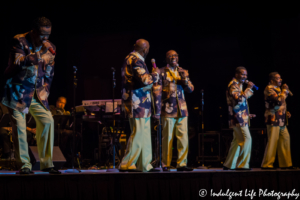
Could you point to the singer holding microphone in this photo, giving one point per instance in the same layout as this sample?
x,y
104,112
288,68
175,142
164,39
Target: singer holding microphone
x,y
171,105
276,120
28,79
240,149
137,84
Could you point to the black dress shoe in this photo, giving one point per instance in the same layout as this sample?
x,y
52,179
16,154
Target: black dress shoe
x,y
268,168
185,168
226,168
154,170
51,170
166,169
291,167
25,171
243,169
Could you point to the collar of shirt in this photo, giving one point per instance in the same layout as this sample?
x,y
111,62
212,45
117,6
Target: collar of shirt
x,y
234,80
238,83
174,72
138,55
276,88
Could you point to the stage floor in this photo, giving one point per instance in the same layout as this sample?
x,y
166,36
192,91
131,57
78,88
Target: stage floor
x,y
98,184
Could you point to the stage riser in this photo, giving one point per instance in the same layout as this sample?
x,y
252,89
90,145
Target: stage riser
x,y
158,186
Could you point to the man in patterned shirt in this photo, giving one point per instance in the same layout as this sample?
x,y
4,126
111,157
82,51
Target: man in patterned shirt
x,y
240,150
28,79
137,83
170,102
275,118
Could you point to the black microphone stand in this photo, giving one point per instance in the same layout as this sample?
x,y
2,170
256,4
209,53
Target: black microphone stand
x,y
114,124
73,170
159,144
202,132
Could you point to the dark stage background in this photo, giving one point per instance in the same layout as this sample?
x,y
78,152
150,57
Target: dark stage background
x,y
212,40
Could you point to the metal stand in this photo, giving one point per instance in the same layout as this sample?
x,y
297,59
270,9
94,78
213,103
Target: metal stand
x,y
114,124
73,170
202,135
159,144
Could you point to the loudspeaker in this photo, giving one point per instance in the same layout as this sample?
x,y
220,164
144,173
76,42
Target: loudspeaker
x,y
58,158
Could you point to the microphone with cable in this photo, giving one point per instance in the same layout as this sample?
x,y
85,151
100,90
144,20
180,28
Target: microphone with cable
x,y
246,81
50,49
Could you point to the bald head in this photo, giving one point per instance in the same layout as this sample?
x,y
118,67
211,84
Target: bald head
x,y
171,52
142,47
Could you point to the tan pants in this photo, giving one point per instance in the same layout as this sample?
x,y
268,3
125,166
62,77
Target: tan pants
x,y
240,148
139,148
278,140
44,135
178,127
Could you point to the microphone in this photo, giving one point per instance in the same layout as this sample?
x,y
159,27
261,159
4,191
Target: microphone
x,y
153,63
74,68
290,93
51,49
113,69
246,81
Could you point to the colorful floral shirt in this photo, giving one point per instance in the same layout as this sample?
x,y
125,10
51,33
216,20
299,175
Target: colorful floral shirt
x,y
27,73
275,104
237,103
137,83
168,93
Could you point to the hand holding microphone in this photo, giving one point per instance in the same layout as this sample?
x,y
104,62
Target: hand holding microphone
x,y
285,86
183,73
47,46
250,85
154,68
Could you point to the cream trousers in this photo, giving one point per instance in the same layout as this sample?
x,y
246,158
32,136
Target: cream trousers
x,y
139,148
278,140
240,148
175,127
44,135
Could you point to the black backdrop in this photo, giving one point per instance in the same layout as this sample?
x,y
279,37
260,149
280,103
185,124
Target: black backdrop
x,y
212,40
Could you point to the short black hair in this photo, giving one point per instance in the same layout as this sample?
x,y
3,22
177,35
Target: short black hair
x,y
39,22
239,69
272,75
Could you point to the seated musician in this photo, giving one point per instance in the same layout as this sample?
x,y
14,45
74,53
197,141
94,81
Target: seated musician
x,y
65,134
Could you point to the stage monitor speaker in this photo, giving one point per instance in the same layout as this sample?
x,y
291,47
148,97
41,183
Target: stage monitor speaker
x,y
58,158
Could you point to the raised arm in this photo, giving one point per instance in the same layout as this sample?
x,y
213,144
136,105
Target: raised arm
x,y
140,73
238,94
185,80
272,96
